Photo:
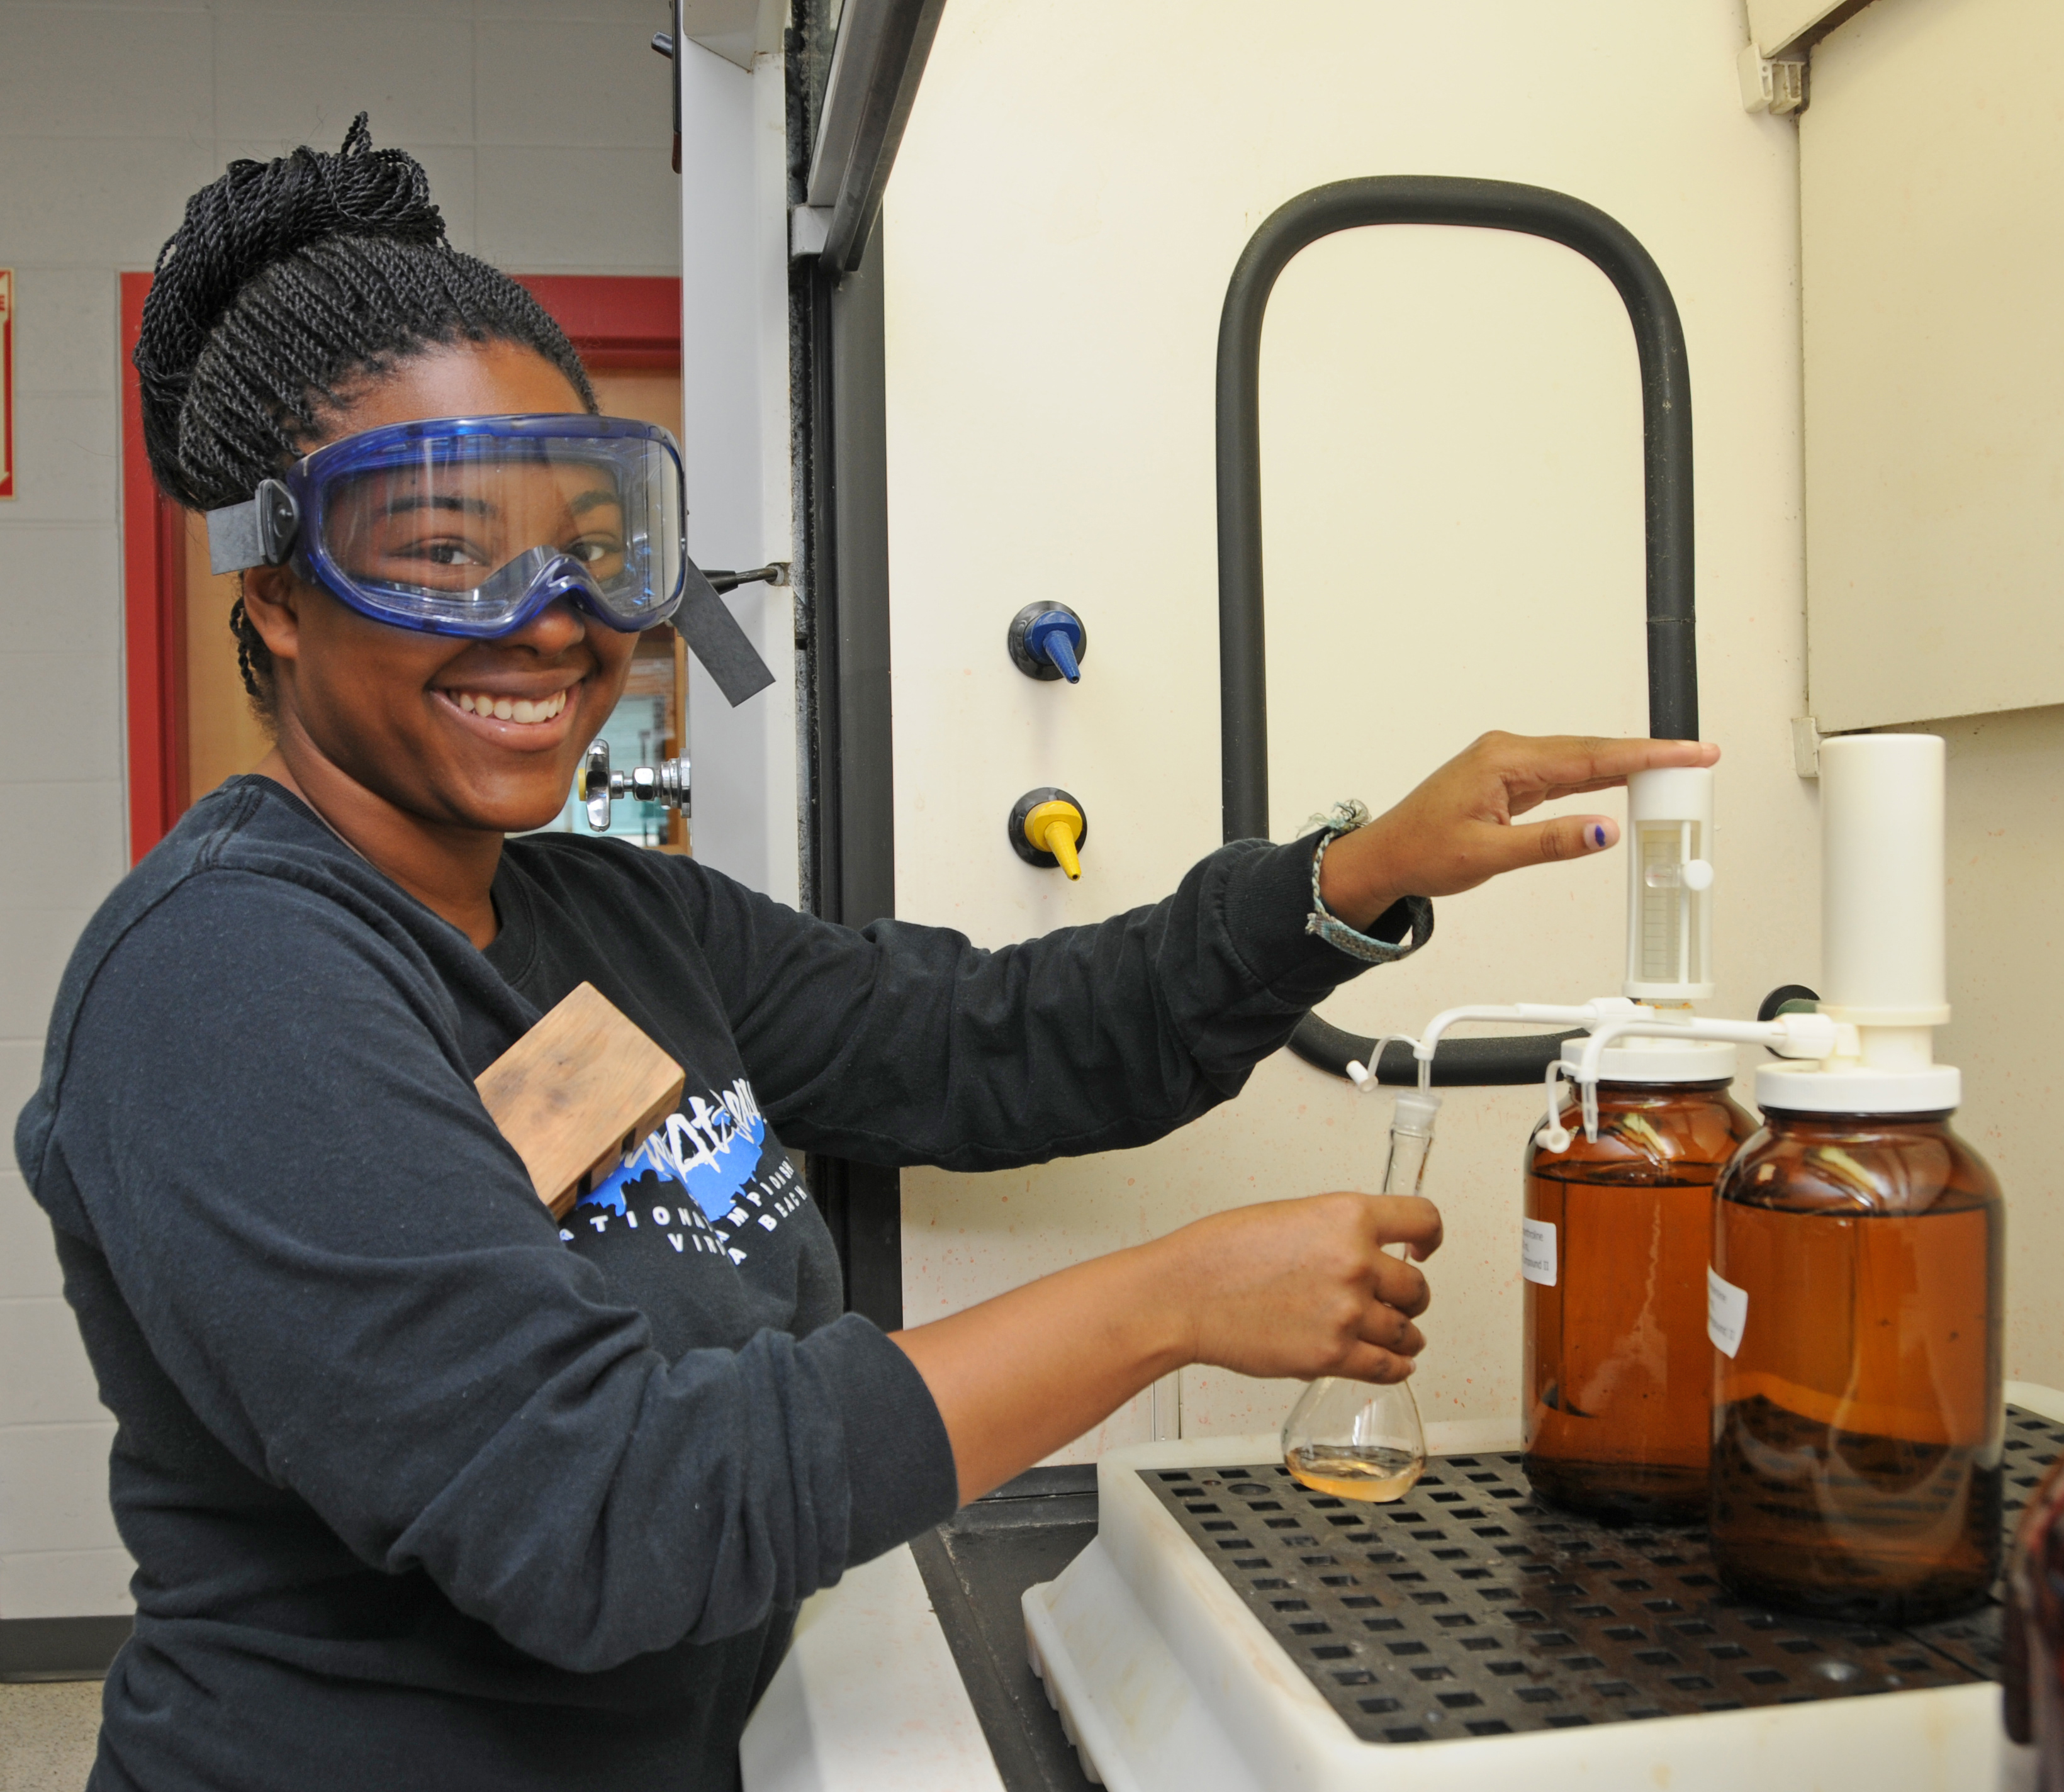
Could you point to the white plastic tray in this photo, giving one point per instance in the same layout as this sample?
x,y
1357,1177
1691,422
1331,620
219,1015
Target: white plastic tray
x,y
1166,1682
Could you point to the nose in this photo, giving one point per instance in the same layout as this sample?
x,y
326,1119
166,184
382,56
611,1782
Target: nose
x,y
560,625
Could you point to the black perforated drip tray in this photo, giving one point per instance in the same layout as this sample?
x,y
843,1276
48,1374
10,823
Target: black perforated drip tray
x,y
1468,1608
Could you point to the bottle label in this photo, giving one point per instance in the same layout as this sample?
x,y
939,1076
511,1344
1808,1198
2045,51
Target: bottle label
x,y
1537,1251
1727,1312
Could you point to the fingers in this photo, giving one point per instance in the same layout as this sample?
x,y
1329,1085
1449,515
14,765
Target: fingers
x,y
1373,1363
1407,1219
1385,1326
1398,1285
1566,764
1553,841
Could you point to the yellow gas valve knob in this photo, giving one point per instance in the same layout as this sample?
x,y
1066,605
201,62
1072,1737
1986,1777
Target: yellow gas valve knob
x,y
1048,828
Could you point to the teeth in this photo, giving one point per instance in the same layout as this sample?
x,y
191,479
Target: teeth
x,y
509,709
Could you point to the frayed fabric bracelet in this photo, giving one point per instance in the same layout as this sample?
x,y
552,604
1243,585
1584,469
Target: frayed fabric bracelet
x,y
1345,818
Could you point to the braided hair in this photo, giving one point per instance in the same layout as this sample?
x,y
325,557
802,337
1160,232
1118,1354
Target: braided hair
x,y
291,284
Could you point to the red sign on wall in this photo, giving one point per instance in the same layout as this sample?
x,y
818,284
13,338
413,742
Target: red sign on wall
x,y
6,382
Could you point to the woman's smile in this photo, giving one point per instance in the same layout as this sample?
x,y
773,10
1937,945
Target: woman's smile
x,y
527,719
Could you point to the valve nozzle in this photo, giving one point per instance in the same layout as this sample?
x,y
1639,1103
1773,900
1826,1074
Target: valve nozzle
x,y
1057,646
1048,641
1053,827
1047,828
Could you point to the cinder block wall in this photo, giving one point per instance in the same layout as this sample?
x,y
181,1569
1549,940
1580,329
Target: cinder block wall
x,y
546,126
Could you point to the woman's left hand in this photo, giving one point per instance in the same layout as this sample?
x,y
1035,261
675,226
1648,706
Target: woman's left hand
x,y
1456,831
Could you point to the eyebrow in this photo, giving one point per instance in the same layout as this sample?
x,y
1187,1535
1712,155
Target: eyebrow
x,y
413,502
595,498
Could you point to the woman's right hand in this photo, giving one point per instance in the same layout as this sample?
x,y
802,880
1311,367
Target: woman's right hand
x,y
1288,1288
1305,1288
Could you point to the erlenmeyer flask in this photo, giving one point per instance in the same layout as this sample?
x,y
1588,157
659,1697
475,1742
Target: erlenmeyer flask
x,y
1355,1440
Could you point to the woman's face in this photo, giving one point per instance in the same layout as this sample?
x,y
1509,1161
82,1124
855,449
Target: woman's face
x,y
486,735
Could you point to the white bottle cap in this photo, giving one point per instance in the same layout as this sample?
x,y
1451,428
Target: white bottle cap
x,y
1644,1060
1858,1089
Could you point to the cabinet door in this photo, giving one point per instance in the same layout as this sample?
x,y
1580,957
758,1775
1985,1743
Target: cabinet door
x,y
1932,170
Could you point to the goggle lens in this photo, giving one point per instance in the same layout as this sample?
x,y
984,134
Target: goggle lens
x,y
468,532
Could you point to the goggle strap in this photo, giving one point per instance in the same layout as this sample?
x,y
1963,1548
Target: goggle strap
x,y
259,532
716,639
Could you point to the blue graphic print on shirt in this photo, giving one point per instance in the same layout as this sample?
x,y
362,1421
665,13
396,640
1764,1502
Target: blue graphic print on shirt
x,y
711,1148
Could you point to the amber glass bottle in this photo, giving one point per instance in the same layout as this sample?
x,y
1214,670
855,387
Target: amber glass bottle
x,y
1858,1428
2033,1670
1618,1369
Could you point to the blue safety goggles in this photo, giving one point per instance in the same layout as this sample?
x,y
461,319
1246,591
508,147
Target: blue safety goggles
x,y
471,525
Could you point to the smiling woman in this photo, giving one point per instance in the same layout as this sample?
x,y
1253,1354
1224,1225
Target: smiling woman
x,y
426,1487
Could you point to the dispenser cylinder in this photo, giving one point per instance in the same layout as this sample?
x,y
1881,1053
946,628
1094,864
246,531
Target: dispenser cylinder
x,y
1881,893
1670,878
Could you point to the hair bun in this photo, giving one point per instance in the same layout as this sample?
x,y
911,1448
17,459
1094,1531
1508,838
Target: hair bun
x,y
257,214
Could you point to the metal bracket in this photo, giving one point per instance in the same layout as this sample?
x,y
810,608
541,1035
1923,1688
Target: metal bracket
x,y
1772,84
1806,739
665,783
775,572
808,226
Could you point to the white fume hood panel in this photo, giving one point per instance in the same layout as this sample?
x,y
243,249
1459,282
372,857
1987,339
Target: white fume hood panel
x,y
1773,24
1931,178
734,29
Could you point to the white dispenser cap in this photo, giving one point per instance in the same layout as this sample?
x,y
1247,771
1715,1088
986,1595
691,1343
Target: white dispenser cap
x,y
1881,933
1641,1059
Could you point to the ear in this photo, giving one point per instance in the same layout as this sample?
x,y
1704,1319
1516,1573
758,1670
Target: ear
x,y
272,600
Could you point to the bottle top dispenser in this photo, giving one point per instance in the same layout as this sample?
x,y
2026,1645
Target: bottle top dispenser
x,y
1881,935
1858,1246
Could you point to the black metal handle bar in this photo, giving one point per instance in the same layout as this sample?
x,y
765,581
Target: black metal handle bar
x,y
1665,400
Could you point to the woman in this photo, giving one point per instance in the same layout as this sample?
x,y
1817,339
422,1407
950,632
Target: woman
x,y
424,1488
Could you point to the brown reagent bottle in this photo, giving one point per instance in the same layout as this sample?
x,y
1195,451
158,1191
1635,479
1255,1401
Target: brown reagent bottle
x,y
1857,1425
1618,1370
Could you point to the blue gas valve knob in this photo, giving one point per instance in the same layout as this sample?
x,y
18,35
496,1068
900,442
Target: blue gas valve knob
x,y
1048,641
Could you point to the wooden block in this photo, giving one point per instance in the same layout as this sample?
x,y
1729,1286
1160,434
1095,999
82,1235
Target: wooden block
x,y
578,1091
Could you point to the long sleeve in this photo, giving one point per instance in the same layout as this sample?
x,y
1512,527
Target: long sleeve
x,y
263,1124
898,1044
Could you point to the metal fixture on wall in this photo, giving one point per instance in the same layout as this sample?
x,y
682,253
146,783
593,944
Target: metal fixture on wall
x,y
665,784
775,572
1666,395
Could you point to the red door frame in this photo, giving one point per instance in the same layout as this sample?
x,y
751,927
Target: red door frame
x,y
617,322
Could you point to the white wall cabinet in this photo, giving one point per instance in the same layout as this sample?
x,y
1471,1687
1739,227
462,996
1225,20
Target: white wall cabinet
x,y
1932,177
